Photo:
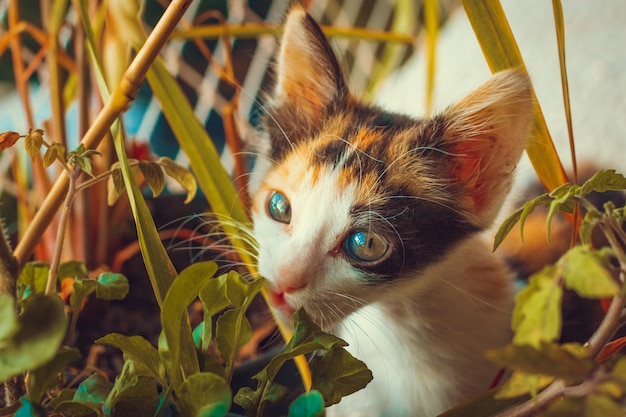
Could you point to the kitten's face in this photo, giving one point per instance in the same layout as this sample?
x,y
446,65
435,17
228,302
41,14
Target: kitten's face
x,y
356,200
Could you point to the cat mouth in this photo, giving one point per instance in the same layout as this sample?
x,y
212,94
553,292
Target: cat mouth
x,y
278,301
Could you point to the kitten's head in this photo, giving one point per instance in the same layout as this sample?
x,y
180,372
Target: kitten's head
x,y
356,199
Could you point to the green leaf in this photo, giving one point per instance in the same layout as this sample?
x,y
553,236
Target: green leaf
x,y
154,176
598,404
46,376
537,311
566,407
310,404
240,292
79,409
115,186
82,288
252,400
158,264
94,389
49,157
585,272
604,180
486,404
213,296
521,384
34,277
337,373
506,227
111,286
9,324
132,395
73,269
33,142
182,175
204,395
30,409
139,350
562,202
590,221
175,321
233,330
40,330
570,362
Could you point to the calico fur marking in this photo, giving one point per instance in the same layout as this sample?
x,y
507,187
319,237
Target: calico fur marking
x,y
371,220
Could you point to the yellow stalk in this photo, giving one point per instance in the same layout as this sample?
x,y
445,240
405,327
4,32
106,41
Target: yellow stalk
x,y
431,12
501,52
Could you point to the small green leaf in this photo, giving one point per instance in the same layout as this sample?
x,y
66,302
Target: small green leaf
x,y
49,157
40,330
485,404
537,311
590,221
111,286
45,377
598,404
84,164
139,350
30,409
521,384
542,200
566,407
73,269
213,296
33,142
94,389
115,186
182,175
132,395
9,324
79,409
571,362
204,395
506,227
602,181
585,272
82,288
310,404
562,202
34,277
153,174
233,330
175,321
337,373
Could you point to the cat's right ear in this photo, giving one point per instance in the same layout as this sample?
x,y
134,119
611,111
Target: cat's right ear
x,y
309,81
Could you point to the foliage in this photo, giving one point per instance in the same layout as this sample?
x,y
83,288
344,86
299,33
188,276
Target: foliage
x,y
558,376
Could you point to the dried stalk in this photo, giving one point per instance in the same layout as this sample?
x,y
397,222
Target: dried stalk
x,y
121,97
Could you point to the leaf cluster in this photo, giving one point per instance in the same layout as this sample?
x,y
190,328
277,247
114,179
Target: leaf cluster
x,y
571,378
186,372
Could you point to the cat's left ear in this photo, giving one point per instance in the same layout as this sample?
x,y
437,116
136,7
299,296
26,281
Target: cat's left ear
x,y
486,133
308,77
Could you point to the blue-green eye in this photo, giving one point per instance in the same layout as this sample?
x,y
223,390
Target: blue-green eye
x,y
279,207
366,246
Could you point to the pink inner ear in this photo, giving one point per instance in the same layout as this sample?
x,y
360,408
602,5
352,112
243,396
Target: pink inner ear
x,y
472,169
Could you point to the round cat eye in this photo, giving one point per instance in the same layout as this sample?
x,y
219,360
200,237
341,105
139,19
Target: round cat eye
x,y
279,208
365,246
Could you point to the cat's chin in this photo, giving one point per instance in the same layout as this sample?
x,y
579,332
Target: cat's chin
x,y
279,302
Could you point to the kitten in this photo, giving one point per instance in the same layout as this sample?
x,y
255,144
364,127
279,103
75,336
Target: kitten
x,y
371,221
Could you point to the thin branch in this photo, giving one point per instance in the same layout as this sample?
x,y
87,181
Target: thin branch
x,y
124,93
51,285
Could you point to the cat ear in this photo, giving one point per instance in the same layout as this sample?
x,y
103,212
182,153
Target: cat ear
x,y
308,77
486,133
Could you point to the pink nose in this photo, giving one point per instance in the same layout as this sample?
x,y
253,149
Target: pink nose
x,y
290,281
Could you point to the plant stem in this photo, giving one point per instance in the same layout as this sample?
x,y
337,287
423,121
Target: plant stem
x,y
51,285
123,94
8,266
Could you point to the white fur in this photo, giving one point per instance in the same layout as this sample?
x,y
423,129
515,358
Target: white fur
x,y
424,341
